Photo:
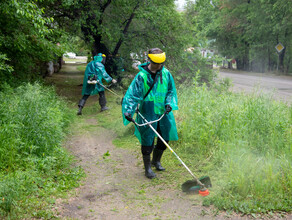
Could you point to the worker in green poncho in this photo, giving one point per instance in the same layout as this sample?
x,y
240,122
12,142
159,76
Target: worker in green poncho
x,y
92,82
153,92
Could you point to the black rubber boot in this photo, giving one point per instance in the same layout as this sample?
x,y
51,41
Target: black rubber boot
x,y
79,111
104,108
102,101
147,164
81,105
157,154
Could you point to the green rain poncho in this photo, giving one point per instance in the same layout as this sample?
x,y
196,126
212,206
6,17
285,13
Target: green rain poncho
x,y
97,68
153,106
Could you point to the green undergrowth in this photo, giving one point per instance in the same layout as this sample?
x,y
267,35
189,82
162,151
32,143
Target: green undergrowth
x,y
34,168
242,141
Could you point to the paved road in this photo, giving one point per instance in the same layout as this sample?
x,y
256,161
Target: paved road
x,y
280,86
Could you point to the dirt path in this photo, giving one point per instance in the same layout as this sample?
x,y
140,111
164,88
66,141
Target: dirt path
x,y
115,186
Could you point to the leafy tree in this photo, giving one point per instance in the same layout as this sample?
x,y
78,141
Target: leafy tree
x,y
25,40
30,31
129,26
248,31
107,25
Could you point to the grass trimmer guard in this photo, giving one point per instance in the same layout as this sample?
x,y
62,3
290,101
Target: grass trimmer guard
x,y
192,186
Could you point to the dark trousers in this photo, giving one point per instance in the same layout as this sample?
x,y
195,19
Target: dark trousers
x,y
102,99
146,150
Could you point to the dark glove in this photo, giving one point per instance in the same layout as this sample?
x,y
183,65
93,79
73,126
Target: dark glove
x,y
167,109
128,116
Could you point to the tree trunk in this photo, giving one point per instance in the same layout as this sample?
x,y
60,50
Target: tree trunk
x,y
269,61
288,65
243,64
99,47
246,58
263,62
239,64
229,64
89,30
118,45
281,60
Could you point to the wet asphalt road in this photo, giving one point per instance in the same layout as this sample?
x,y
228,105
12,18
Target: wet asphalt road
x,y
280,86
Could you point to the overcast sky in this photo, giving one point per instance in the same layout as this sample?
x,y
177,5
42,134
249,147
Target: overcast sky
x,y
180,3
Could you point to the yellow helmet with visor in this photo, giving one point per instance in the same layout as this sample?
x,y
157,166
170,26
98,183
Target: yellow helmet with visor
x,y
157,58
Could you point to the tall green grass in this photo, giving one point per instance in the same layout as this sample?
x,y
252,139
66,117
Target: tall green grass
x,y
33,165
244,142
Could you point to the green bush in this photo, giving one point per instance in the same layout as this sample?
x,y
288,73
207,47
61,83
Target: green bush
x,y
244,142
32,123
33,164
27,41
189,65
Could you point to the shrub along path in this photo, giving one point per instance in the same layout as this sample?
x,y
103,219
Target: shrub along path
x,y
115,186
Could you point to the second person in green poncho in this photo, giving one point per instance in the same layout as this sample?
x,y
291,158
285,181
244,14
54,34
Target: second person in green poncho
x,y
95,72
152,104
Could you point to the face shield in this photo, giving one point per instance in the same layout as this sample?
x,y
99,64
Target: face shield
x,y
103,59
157,58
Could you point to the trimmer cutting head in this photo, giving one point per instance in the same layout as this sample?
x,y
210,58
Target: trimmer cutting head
x,y
203,182
192,186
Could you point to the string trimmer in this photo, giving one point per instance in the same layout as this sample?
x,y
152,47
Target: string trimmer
x,y
108,89
195,185
95,81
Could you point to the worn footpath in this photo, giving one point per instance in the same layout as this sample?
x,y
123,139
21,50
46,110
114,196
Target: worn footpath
x,y
115,186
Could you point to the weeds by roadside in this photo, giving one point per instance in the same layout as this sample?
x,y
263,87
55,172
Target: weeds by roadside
x,y
244,143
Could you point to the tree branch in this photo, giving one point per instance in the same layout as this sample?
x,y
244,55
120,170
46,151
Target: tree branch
x,y
102,9
118,45
105,5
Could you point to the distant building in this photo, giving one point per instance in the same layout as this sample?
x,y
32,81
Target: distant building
x,y
70,55
207,53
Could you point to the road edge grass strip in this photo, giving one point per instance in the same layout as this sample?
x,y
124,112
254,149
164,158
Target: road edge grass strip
x,y
243,141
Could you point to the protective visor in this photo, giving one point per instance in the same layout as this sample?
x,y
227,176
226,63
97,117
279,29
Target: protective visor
x,y
157,58
99,57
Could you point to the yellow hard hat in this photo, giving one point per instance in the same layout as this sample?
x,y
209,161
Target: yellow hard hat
x,y
157,58
103,55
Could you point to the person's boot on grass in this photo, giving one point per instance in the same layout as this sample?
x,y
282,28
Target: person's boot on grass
x,y
147,164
